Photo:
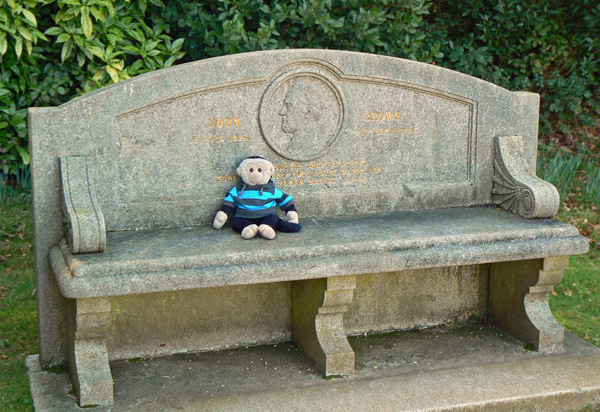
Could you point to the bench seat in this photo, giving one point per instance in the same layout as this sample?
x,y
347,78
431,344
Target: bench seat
x,y
136,262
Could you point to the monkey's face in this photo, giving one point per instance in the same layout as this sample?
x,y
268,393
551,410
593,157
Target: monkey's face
x,y
255,171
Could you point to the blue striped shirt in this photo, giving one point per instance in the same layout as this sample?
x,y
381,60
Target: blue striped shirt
x,y
257,201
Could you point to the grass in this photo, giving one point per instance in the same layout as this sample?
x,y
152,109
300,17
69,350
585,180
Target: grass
x,y
575,301
18,329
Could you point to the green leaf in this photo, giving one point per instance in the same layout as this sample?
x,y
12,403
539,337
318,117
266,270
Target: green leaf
x,y
80,59
30,17
132,49
114,75
3,46
98,14
137,34
79,40
39,35
143,5
24,153
170,61
136,66
19,47
25,33
63,38
66,50
177,44
113,39
86,22
96,51
29,46
53,31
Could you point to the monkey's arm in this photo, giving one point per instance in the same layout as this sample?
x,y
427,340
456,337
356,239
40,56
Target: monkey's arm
x,y
226,211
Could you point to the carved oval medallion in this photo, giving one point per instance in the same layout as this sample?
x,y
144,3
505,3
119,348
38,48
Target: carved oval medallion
x,y
301,114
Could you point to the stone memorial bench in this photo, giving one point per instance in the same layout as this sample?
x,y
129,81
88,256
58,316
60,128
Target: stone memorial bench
x,y
415,187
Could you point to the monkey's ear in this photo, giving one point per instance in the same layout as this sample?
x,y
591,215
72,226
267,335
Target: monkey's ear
x,y
239,171
272,169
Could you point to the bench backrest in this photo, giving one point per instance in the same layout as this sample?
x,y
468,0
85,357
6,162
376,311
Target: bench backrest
x,y
348,132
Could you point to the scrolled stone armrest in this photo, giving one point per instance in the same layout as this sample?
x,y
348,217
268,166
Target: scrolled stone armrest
x,y
86,231
516,186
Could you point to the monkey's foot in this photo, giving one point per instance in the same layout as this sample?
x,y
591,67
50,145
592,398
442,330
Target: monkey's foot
x,y
266,231
250,231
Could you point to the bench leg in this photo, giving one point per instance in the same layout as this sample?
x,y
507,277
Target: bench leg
x,y
318,308
87,322
519,300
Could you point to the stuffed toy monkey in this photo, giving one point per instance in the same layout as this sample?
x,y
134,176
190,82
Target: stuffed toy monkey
x,y
254,203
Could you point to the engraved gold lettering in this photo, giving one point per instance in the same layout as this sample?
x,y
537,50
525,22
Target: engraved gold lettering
x,y
377,170
224,122
350,163
286,166
322,181
226,178
326,173
382,116
285,183
240,138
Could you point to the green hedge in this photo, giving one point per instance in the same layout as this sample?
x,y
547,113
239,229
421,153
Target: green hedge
x,y
54,50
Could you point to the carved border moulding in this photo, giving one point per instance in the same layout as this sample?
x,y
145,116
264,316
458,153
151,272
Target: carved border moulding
x,y
302,112
516,186
86,231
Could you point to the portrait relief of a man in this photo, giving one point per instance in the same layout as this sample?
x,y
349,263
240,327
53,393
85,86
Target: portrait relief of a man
x,y
301,117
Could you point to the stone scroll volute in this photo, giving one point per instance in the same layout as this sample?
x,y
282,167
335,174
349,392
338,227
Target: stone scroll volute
x,y
86,231
516,187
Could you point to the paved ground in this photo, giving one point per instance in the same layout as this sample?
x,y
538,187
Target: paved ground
x,y
464,368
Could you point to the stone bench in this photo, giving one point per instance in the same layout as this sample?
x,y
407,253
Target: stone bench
x,y
415,187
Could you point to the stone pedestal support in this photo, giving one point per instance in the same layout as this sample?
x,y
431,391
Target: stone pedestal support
x,y
87,323
318,308
519,300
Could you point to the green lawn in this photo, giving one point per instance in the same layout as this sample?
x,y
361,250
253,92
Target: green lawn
x,y
576,301
18,329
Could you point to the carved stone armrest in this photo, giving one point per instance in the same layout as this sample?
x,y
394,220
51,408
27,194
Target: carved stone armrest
x,y
86,231
516,186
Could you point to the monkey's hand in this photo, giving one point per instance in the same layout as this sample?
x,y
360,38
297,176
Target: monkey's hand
x,y
220,219
292,216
